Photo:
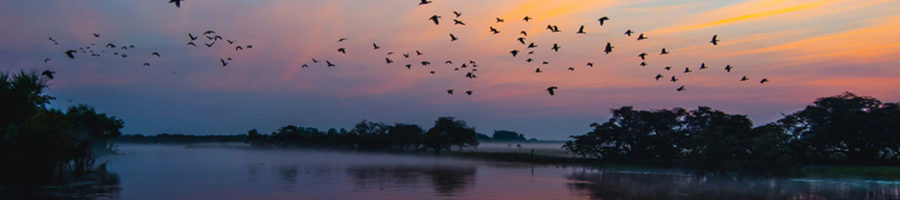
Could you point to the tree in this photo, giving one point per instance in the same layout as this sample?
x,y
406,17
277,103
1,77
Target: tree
x,y
406,135
371,135
504,135
448,131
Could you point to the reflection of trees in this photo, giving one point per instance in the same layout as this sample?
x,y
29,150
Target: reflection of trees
x,y
99,185
447,180
621,185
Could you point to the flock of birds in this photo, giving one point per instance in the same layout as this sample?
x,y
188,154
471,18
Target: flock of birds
x,y
213,39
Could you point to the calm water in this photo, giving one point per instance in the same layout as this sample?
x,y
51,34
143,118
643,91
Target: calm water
x,y
177,172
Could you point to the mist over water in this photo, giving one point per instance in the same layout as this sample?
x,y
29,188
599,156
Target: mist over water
x,y
235,172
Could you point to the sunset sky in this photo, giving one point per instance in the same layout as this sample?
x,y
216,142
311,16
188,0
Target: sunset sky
x,y
806,48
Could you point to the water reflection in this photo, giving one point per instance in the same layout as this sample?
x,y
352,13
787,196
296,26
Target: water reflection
x,y
600,184
102,185
446,180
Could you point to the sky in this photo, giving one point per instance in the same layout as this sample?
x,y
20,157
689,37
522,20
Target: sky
x,y
806,49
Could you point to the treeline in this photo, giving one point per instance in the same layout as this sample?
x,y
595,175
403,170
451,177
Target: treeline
x,y
842,129
166,138
447,132
37,143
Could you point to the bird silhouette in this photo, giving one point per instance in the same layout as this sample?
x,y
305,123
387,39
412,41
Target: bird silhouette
x,y
680,88
524,33
658,76
231,41
418,53
642,55
155,54
46,60
532,45
531,52
499,20
451,62
388,60
192,36
529,60
538,70
249,46
687,70
673,79
425,63
555,47
48,73
470,75
527,18
229,58
390,53
328,64
581,30
728,68
209,32
553,28
641,37
435,19
457,22
715,40
664,52
304,66
521,39
453,38
494,30
408,66
315,61
550,89
609,48
406,55
192,44
571,69
146,64
702,65
342,39
432,72
545,63
209,45
667,68
70,53
376,46
96,35
514,52
424,2
643,64
110,45
217,38
603,19
342,50
469,92
177,3
764,80
223,62
464,65
449,91
744,78
457,13
629,32
590,64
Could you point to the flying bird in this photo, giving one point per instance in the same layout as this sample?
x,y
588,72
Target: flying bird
x,y
702,65
177,3
680,88
538,70
388,60
432,72
342,39
715,40
453,38
191,43
457,13
110,45
609,48
555,47
469,92
728,68
550,89
70,52
192,36
499,20
658,76
527,18
667,68
408,66
673,79
209,32
315,61
46,60
424,2
329,64
48,74
231,41
209,45
643,64
342,50
553,28
223,62
744,78
494,30
590,64
376,46
155,54
418,53
96,35
629,32
249,46
146,64
532,45
764,80
581,30
514,52
641,37
451,62
406,55
642,55
304,66
687,70
571,69
529,60
524,33
457,22
435,19
521,39
449,91
603,19
425,63
545,63
664,52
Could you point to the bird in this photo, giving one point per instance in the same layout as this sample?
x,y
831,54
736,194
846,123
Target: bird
x,y
603,19
629,32
229,58
538,70
658,76
249,46
177,3
376,46
223,62
329,64
390,53
642,55
555,47
728,68
146,64
451,62
432,72
408,66
680,88
406,55
521,39
457,13
702,65
641,37
527,18
531,52
315,61
687,70
209,32
46,60
470,75
418,53
424,2
48,73
532,45
524,33
191,43
449,91
514,52
155,53
96,35
673,79
529,60
545,63
581,30
553,28
667,68
499,20
469,92
217,38
425,63
192,36
342,50
231,41
494,30
453,38
463,65
110,45
764,80
388,60
590,64
70,53
744,78
715,40
571,69
304,66
664,52
435,19
550,89
457,22
643,64
209,45
609,48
